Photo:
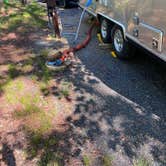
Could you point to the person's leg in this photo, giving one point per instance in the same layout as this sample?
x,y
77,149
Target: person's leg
x,y
50,15
56,23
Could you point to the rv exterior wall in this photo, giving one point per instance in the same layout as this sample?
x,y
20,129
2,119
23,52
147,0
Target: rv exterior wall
x,y
146,17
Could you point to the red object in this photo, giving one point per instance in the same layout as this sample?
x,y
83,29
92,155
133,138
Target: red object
x,y
78,47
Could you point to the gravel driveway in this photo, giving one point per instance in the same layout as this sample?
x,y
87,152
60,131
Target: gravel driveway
x,y
121,105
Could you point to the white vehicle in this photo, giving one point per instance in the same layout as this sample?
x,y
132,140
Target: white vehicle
x,y
139,21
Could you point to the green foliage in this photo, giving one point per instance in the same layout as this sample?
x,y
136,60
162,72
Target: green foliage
x,y
51,159
12,89
65,92
29,17
42,72
44,89
28,109
44,52
107,160
13,72
141,162
86,160
37,141
65,89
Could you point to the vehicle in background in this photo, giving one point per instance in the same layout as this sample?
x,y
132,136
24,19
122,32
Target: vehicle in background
x,y
64,3
67,3
139,21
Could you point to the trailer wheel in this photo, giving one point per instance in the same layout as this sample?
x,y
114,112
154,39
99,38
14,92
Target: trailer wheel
x,y
67,3
105,30
121,46
62,3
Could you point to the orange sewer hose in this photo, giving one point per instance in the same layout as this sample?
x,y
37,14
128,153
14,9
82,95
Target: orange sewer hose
x,y
78,47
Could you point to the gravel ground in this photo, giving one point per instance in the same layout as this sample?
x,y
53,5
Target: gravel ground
x,y
120,104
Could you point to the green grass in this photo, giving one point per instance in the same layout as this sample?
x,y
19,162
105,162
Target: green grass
x,y
36,120
141,162
51,159
28,107
44,52
28,101
50,155
37,125
44,88
41,71
13,72
86,160
30,16
27,68
64,92
107,160
64,89
16,93
11,90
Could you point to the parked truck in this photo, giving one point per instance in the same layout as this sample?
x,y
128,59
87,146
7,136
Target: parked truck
x,y
138,21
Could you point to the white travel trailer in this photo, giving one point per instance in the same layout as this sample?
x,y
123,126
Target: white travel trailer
x,y
139,21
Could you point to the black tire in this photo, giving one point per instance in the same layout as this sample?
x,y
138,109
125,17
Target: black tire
x,y
105,30
68,3
65,3
62,3
123,49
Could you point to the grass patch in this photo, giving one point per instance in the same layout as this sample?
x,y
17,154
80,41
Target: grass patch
x,y
107,160
46,146
40,124
41,70
36,126
18,92
44,52
141,162
29,16
12,89
37,123
27,68
13,72
44,89
86,160
26,101
65,89
51,159
27,107
37,142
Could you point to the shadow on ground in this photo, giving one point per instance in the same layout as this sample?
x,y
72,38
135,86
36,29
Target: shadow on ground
x,y
121,103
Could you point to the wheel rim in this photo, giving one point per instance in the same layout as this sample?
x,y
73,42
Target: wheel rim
x,y
104,29
118,40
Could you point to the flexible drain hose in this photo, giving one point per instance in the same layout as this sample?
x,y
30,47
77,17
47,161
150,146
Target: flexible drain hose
x,y
65,53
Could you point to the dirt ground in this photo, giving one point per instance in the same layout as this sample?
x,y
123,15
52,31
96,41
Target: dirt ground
x,y
98,112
